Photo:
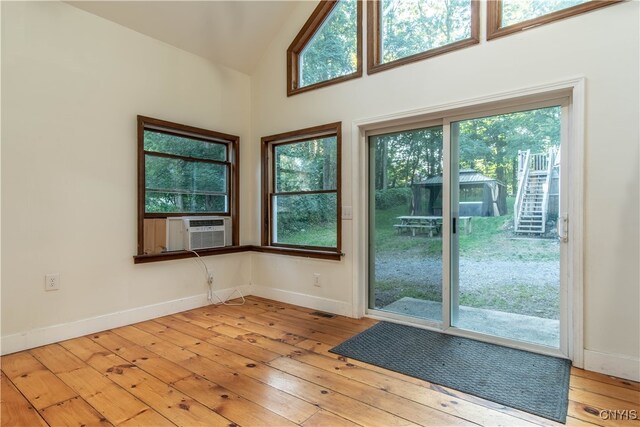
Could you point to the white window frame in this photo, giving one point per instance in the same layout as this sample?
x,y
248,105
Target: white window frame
x,y
572,89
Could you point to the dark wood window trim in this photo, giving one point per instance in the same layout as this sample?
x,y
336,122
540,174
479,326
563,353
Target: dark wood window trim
x,y
494,17
308,30
233,182
167,256
374,52
268,144
305,253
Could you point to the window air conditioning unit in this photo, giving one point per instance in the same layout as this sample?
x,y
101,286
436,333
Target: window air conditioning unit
x,y
198,232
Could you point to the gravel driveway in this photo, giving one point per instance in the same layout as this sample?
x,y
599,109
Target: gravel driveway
x,y
490,283
473,274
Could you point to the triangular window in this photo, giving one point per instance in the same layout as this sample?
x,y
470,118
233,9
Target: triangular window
x,y
328,48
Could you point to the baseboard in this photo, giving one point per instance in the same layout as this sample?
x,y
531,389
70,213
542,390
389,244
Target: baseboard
x,y
612,364
50,334
304,300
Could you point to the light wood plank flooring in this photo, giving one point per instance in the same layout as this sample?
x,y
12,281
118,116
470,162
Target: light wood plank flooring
x,y
261,364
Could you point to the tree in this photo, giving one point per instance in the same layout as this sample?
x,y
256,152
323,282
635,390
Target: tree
x,y
307,166
515,11
490,145
409,27
404,158
180,185
332,51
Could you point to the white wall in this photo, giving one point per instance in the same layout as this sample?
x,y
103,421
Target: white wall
x,y
601,46
72,85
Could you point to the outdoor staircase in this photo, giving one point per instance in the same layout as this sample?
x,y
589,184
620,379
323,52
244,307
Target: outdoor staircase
x,y
532,199
532,217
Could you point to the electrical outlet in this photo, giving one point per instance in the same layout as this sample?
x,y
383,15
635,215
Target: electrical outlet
x,y
52,282
316,279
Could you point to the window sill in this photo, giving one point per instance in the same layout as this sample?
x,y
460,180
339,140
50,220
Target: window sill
x,y
166,256
307,253
324,83
377,67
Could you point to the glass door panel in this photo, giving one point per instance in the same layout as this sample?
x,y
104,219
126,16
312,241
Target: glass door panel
x,y
405,223
505,201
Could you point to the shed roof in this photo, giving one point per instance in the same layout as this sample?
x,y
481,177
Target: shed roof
x,y
467,177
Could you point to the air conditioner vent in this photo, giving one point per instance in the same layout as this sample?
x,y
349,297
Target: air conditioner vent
x,y
206,222
192,233
206,239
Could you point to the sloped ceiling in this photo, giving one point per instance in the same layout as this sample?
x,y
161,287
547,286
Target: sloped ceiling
x,y
234,33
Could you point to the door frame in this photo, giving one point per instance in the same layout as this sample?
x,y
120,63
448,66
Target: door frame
x,y
574,177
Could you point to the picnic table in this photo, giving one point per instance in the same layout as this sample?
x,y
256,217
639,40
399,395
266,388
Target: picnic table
x,y
429,224
413,223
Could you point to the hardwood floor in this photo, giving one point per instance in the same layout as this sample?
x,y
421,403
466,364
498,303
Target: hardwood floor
x,y
261,364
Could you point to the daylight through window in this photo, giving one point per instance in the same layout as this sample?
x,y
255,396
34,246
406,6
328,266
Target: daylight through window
x,y
185,175
403,31
327,49
302,189
184,171
510,16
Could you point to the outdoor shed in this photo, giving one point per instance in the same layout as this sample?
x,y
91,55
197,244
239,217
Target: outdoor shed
x,y
480,195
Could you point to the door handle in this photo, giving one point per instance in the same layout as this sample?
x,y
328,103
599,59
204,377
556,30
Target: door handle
x,y
453,225
563,229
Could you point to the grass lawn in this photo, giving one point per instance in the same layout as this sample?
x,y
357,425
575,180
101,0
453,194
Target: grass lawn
x,y
515,298
318,235
491,240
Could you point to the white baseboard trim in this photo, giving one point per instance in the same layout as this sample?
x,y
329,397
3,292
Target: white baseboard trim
x,y
612,364
64,331
304,300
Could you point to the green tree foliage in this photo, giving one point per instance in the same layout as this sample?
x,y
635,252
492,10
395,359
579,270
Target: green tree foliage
x,y
310,214
404,158
515,11
332,52
183,185
181,146
489,145
306,166
409,27
393,197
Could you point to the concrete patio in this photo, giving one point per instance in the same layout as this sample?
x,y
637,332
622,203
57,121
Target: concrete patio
x,y
507,325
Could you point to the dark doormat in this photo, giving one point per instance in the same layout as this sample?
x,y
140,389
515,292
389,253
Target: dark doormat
x,y
520,379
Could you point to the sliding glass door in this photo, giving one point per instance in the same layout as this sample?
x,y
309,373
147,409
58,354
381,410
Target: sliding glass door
x,y
466,224
405,223
505,203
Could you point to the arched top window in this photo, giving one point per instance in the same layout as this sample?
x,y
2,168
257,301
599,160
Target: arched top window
x,y
328,48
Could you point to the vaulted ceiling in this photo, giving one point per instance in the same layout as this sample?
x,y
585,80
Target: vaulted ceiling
x,y
234,33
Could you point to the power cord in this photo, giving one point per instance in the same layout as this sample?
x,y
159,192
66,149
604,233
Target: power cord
x,y
211,293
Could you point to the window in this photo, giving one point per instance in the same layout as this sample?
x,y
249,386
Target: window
x,y
405,31
183,171
328,48
301,191
511,16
